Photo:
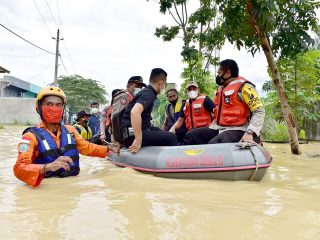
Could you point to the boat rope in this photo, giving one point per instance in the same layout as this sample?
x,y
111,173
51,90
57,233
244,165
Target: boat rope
x,y
257,165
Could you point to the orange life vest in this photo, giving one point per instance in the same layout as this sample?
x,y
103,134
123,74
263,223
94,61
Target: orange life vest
x,y
230,110
195,114
108,116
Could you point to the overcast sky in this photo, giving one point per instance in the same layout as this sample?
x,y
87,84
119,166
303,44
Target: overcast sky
x,y
106,40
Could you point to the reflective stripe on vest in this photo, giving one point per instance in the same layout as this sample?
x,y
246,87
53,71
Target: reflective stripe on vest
x,y
230,110
195,114
172,119
48,150
83,132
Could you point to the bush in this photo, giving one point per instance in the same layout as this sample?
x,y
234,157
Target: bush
x,y
275,131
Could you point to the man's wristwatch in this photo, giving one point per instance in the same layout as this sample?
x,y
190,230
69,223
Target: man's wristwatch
x,y
249,131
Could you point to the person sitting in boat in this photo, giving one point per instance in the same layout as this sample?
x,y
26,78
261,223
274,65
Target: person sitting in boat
x,y
172,111
196,112
105,119
239,112
120,101
52,148
81,125
136,126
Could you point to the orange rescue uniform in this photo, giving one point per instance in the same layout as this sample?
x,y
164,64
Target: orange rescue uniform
x,y
28,172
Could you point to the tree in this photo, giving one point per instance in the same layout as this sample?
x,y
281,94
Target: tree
x,y
302,83
81,92
202,36
278,27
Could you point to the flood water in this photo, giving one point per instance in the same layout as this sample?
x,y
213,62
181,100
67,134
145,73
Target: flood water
x,y
107,202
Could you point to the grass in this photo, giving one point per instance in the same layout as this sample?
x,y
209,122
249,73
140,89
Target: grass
x,y
275,131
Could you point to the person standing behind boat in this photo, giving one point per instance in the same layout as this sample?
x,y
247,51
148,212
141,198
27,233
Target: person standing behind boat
x,y
52,148
120,101
172,111
136,126
196,112
94,120
81,125
239,112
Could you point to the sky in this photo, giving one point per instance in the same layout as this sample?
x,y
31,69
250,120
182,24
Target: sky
x,y
106,40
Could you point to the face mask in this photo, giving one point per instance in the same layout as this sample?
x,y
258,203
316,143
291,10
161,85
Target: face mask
x,y
173,102
94,110
136,90
220,80
52,114
193,94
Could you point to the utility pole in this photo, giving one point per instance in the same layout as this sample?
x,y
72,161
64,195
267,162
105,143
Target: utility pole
x,y
57,55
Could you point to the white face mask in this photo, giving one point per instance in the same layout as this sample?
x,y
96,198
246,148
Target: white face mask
x,y
136,90
193,94
94,110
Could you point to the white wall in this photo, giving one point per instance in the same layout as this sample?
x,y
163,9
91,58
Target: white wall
x,y
18,110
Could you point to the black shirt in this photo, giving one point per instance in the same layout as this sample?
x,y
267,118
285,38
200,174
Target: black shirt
x,y
207,104
145,97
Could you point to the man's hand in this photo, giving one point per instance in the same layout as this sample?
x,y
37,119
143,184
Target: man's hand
x,y
60,162
173,130
102,137
114,147
136,145
247,138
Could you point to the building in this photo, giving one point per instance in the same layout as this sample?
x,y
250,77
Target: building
x,y
14,87
17,100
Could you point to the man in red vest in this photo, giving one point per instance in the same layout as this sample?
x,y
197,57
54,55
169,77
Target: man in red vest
x,y
196,112
238,114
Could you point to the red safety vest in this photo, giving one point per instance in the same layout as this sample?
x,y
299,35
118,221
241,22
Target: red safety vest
x,y
230,110
195,114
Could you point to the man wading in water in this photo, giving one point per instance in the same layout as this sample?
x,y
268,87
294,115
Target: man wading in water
x,y
52,149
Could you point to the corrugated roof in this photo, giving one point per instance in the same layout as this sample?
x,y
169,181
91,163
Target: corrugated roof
x,y
3,70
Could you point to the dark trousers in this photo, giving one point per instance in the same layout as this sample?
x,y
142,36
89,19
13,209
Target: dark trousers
x,y
206,135
154,136
199,136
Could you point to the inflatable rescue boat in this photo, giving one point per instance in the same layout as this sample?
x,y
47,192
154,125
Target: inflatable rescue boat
x,y
227,161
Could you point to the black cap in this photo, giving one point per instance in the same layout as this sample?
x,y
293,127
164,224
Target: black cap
x,y
136,79
82,114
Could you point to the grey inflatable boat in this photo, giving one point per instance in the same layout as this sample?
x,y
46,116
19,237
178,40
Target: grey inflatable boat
x,y
228,161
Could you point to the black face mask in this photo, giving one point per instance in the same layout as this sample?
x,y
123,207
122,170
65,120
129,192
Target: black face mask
x,y
221,80
173,102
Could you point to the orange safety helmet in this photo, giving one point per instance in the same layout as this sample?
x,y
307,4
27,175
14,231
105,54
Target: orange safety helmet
x,y
49,91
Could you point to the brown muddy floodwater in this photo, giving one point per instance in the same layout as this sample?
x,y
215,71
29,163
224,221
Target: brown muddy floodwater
x,y
107,202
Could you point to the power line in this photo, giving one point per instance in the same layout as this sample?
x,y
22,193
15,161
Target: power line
x,y
63,65
54,19
8,55
26,39
44,22
59,14
45,68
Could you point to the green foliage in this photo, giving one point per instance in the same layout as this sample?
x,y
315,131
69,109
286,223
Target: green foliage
x,y
202,36
302,134
81,92
301,77
286,21
275,131
158,113
1,127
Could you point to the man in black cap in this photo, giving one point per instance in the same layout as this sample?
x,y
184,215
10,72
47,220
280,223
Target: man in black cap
x,y
81,125
135,124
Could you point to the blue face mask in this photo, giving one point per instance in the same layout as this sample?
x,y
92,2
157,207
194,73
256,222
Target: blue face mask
x,y
136,90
